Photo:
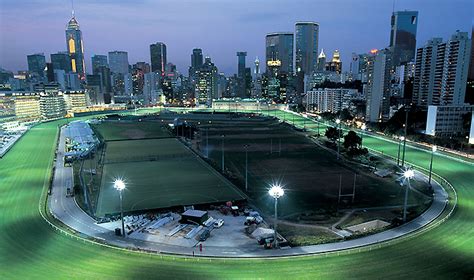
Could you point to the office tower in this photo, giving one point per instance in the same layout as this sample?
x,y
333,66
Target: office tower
x,y
95,89
441,71
118,62
403,36
206,83
36,64
306,46
138,79
378,86
98,60
61,61
471,64
75,47
151,88
335,65
241,76
158,57
145,67
49,71
321,64
128,84
196,59
279,52
73,81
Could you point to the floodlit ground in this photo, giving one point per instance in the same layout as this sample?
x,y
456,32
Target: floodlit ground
x,y
30,248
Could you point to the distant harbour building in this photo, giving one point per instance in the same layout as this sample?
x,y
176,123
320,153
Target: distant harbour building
x,y
158,57
306,46
75,47
98,61
37,64
279,52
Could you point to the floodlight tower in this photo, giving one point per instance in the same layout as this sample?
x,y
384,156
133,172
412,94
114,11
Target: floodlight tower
x,y
319,121
276,191
120,186
400,140
408,175
338,122
246,147
433,151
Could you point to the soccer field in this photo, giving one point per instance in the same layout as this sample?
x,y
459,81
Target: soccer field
x,y
159,173
123,130
30,248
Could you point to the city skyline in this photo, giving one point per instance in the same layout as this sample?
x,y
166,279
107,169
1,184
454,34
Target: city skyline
x,y
249,37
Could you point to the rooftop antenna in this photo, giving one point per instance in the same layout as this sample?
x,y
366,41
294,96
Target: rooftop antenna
x,y
72,7
393,7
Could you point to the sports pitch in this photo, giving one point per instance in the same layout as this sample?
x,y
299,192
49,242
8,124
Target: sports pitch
x,y
159,173
30,248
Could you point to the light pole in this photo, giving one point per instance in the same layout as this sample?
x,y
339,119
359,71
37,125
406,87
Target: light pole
x,y
363,127
405,135
276,191
223,166
433,151
338,122
207,142
408,174
120,186
319,120
246,166
400,139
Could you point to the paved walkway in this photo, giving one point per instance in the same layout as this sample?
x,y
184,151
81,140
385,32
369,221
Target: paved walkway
x,y
65,209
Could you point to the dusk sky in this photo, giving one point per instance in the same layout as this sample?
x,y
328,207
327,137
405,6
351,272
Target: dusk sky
x,y
219,27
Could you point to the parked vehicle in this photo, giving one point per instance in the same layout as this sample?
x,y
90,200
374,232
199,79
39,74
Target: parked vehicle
x,y
218,223
205,235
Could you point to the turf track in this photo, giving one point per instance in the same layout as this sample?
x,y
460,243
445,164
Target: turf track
x,y
30,248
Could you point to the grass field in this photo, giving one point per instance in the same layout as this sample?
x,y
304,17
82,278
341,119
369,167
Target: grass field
x,y
123,130
159,173
31,249
310,175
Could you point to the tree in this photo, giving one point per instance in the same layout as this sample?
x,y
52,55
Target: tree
x,y
352,140
333,133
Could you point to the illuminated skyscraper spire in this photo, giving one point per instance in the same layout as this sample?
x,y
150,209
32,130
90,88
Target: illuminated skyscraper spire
x,y
75,47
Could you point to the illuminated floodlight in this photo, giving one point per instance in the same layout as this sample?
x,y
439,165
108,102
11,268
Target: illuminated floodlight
x,y
409,173
402,138
364,127
119,184
434,149
338,121
276,191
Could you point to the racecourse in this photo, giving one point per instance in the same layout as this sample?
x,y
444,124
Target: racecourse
x,y
30,248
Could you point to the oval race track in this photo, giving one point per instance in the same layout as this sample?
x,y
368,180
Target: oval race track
x,y
30,248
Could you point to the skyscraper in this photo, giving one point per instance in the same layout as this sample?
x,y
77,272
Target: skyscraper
x,y
118,62
98,60
279,51
242,85
158,57
335,65
206,83
196,59
36,64
441,71
257,67
378,86
403,36
75,47
306,46
61,61
321,64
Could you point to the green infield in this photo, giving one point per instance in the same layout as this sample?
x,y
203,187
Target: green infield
x,y
30,248
123,130
159,173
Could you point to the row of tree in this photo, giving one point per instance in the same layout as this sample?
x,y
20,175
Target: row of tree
x,y
352,142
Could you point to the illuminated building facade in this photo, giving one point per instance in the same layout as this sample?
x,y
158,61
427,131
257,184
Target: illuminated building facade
x,y
75,47
306,46
279,52
158,57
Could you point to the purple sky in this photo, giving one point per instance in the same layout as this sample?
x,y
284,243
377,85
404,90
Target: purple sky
x,y
219,27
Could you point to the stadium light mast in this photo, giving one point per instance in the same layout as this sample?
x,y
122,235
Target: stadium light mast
x,y
363,127
246,166
408,174
276,191
400,140
223,158
319,121
407,108
433,151
120,186
338,122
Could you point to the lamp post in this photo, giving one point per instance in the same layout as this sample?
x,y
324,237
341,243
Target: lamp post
x,y
407,108
319,120
246,166
223,166
433,151
276,191
363,127
408,174
400,139
120,186
338,122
